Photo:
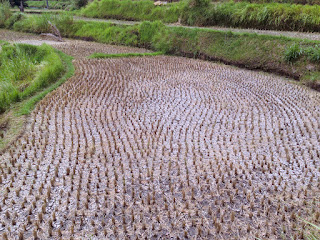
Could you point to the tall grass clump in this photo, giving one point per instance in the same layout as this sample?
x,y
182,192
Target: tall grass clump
x,y
293,52
143,10
273,16
40,23
25,69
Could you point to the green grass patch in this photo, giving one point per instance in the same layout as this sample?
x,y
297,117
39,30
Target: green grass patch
x,y
25,69
274,16
304,2
270,15
27,106
52,4
143,10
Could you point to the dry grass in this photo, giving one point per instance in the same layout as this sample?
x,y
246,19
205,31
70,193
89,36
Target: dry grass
x,y
163,147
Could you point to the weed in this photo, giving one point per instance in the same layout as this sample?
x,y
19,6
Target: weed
x,y
133,10
293,52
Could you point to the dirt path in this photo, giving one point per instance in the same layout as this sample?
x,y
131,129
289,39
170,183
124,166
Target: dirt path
x,y
164,147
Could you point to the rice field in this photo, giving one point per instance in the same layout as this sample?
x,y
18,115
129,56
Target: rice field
x,y
164,148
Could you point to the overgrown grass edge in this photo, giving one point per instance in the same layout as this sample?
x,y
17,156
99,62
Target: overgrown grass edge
x,y
29,105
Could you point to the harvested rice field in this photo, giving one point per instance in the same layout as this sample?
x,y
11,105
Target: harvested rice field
x,y
165,148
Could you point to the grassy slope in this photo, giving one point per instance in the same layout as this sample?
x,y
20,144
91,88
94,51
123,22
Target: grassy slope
x,y
276,16
133,10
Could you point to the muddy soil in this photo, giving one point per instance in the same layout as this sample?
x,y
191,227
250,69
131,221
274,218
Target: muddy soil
x,y
165,148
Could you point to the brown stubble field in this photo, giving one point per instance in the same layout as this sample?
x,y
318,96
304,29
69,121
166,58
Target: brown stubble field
x,y
164,147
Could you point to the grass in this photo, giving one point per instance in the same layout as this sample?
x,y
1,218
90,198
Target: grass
x,y
12,121
118,55
28,105
5,13
24,69
52,4
310,2
275,16
249,50
143,10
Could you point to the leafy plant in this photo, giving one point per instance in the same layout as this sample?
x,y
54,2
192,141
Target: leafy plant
x,y
293,52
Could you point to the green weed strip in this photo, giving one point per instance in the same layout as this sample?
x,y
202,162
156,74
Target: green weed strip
x,y
273,16
119,55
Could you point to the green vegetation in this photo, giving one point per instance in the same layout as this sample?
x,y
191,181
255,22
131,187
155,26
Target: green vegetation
x,y
276,16
268,53
5,13
24,70
310,2
52,4
133,10
28,105
105,55
295,51
55,4
12,122
252,51
40,24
